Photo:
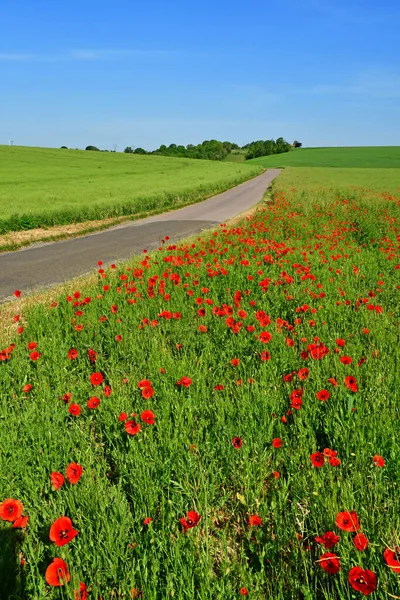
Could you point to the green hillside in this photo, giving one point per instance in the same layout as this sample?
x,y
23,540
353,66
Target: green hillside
x,y
346,157
44,187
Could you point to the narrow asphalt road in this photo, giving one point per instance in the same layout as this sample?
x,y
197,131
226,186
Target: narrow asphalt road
x,y
43,265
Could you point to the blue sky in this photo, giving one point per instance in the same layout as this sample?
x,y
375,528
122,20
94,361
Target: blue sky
x,y
146,72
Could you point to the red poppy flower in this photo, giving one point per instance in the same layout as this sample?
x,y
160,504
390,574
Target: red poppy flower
x,y
132,428
296,403
17,293
235,362
147,392
392,559
317,459
277,442
362,580
265,356
57,573
379,461
144,383
346,360
243,591
329,539
92,354
82,593
191,520
317,351
334,461
340,342
361,542
323,395
148,417
21,522
73,473
351,383
276,474
32,345
34,356
303,374
330,563
74,409
107,391
62,532
57,480
265,337
122,417
147,521
93,402
185,382
237,442
347,521
96,378
255,521
11,509
72,354
27,388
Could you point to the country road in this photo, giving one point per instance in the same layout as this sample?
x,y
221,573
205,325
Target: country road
x,y
50,263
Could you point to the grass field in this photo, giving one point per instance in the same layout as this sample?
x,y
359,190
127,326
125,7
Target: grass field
x,y
45,187
358,157
249,376
349,180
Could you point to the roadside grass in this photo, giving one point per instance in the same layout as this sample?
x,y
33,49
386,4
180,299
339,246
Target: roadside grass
x,y
45,187
349,180
260,315
372,157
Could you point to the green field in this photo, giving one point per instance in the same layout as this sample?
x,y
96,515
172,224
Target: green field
x,y
249,375
346,179
44,187
356,157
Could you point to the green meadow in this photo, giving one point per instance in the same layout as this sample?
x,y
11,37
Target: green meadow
x,y
372,157
43,187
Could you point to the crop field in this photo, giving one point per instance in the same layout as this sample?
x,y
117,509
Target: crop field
x,y
345,180
216,420
374,157
44,187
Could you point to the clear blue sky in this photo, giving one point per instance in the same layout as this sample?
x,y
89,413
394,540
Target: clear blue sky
x,y
146,72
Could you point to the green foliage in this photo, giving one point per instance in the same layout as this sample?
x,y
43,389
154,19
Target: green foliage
x,y
129,150
92,148
266,148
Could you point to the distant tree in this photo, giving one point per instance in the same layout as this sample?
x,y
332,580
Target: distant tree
x,y
297,144
64,148
140,151
129,150
93,148
266,148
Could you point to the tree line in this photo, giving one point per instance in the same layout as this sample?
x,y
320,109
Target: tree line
x,y
216,150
